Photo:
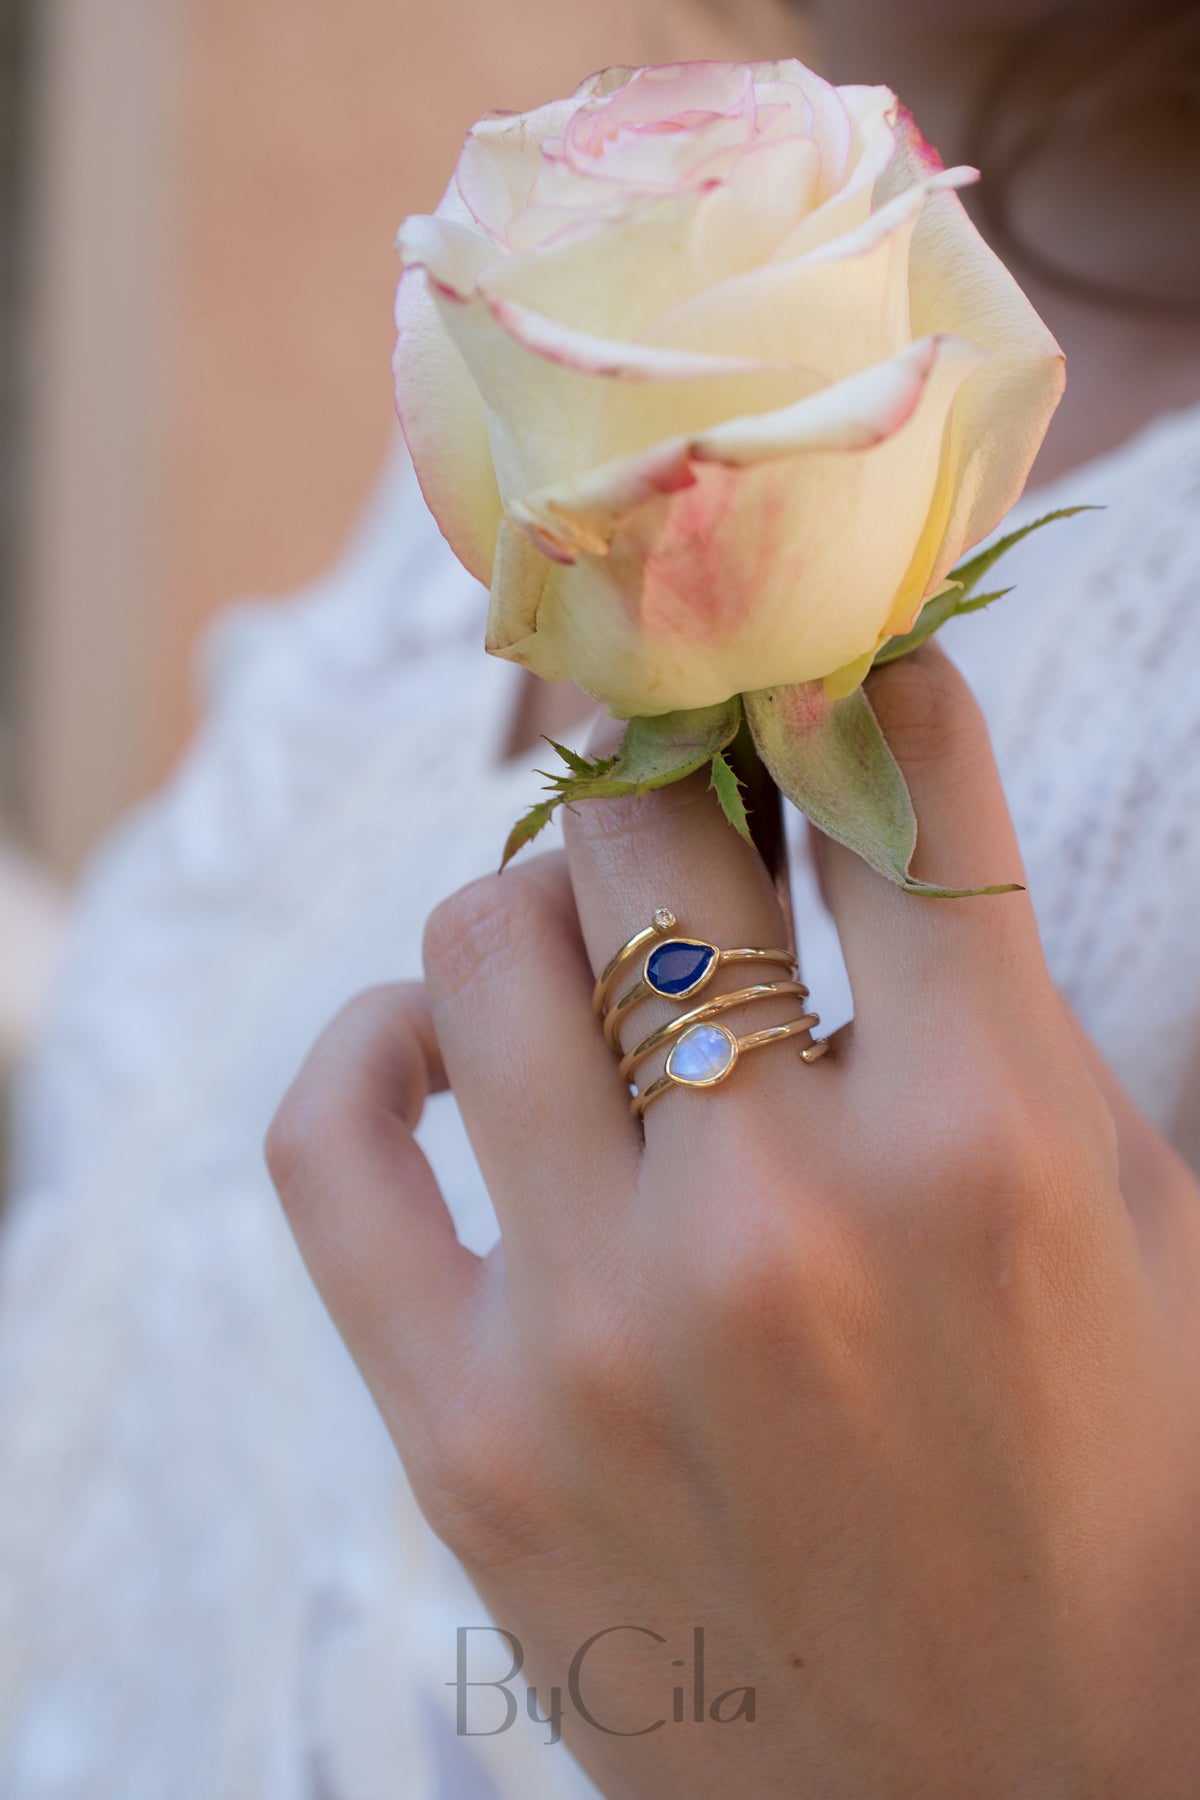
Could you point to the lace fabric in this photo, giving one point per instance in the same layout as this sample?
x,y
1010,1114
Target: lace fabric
x,y
214,1581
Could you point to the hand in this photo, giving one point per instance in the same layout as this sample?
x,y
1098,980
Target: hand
x,y
870,1368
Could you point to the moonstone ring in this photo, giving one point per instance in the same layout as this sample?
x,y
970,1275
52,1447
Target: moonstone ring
x,y
706,1054
701,1052
682,1023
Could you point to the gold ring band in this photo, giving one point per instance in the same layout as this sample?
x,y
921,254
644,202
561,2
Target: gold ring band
x,y
674,1028
642,989
701,1052
723,1063
664,920
674,967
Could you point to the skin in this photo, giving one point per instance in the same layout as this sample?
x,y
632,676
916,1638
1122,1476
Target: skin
x,y
883,1370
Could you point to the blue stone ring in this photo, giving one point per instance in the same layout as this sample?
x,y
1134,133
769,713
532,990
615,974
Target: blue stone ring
x,y
674,967
701,1051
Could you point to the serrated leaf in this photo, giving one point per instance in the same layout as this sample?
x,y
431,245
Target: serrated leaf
x,y
832,761
977,602
951,602
654,752
527,828
578,765
658,750
933,616
727,786
971,572
667,747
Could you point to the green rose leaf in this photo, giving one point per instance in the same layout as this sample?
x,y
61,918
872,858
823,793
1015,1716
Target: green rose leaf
x,y
832,761
932,617
970,573
960,598
728,785
654,752
527,828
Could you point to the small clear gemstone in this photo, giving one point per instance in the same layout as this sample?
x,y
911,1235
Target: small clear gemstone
x,y
703,1054
678,967
664,920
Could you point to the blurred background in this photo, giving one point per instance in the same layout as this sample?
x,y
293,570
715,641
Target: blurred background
x,y
198,200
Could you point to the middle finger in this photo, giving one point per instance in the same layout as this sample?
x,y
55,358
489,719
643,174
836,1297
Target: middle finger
x,y
673,848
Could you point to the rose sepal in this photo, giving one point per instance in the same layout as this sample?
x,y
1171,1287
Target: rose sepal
x,y
831,759
957,594
655,751
823,748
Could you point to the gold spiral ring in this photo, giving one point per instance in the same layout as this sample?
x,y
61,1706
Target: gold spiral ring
x,y
701,1052
643,989
674,1028
735,1047
674,967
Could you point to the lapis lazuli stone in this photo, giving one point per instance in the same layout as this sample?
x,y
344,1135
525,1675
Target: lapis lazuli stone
x,y
703,1054
677,967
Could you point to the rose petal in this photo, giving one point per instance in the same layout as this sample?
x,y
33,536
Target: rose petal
x,y
499,162
739,221
694,92
835,315
644,160
605,81
520,579
442,417
704,578
818,110
845,204
892,213
453,255
615,277
549,418
854,414
589,355
664,91
958,284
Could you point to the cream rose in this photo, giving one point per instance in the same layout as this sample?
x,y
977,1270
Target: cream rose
x,y
707,374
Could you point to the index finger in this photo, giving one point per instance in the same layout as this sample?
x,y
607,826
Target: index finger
x,y
361,1198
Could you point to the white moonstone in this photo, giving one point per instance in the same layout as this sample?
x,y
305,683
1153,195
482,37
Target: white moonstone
x,y
703,1054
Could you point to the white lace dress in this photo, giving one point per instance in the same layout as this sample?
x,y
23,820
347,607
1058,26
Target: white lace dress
x,y
214,1584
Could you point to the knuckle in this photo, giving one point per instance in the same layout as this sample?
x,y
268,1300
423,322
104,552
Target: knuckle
x,y
1015,1165
605,1364
488,918
780,1272
928,713
298,1142
286,1145
475,1486
626,826
305,1133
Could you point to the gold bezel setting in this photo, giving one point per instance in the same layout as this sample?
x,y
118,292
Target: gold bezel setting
x,y
709,969
705,1028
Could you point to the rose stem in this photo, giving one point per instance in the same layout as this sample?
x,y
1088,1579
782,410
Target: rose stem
x,y
764,808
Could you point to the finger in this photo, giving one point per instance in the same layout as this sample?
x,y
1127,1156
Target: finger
x,y
368,1216
923,965
1159,1191
510,988
1149,1168
673,848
